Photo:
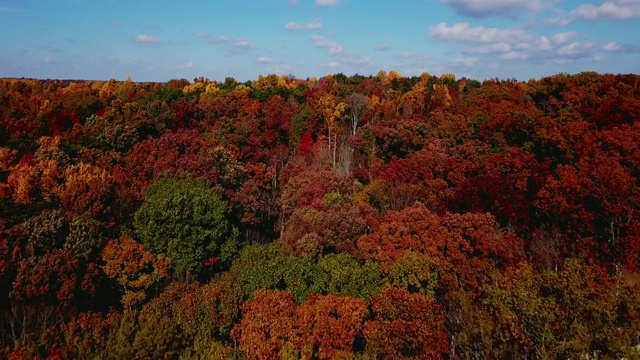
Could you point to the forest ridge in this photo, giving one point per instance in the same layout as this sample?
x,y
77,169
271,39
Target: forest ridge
x,y
345,217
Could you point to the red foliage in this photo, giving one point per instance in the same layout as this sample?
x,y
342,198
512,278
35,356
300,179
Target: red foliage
x,y
51,278
173,154
330,326
406,325
504,184
465,247
306,144
328,229
267,325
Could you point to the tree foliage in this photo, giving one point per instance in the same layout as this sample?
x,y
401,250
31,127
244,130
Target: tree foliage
x,y
361,217
186,221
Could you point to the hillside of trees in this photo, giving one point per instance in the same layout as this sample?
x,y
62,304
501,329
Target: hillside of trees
x,y
357,217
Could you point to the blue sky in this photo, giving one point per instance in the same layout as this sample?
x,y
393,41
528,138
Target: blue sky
x,y
158,40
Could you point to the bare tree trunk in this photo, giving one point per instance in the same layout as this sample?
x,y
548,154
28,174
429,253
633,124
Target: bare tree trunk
x,y
335,143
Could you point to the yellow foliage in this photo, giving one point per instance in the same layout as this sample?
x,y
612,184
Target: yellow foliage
x,y
212,89
450,76
242,88
108,90
266,82
195,87
23,180
393,75
84,173
282,81
442,91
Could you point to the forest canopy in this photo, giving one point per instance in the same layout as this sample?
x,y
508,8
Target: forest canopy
x,y
357,217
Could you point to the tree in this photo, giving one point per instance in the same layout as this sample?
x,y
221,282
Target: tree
x,y
330,326
464,248
270,267
578,310
186,221
133,267
268,324
341,275
405,325
332,111
358,104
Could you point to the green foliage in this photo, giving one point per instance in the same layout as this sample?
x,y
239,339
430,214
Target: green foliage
x,y
577,310
415,273
185,220
341,274
333,198
271,267
299,126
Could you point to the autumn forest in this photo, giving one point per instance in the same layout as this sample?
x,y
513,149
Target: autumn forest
x,y
346,217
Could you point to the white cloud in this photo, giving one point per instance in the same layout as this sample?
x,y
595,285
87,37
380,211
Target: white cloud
x,y
313,25
612,46
560,21
563,37
184,66
563,61
611,9
147,40
575,50
470,61
500,47
241,43
264,60
234,46
462,32
514,55
333,47
406,54
326,3
356,59
333,64
213,39
512,43
382,47
502,8
608,9
276,68
292,25
619,47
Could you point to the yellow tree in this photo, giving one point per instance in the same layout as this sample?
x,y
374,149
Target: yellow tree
x,y
414,100
333,112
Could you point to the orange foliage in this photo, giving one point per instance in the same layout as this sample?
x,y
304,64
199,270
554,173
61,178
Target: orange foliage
x,y
133,267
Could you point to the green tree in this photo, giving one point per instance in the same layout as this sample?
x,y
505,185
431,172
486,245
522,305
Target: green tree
x,y
273,267
185,220
342,275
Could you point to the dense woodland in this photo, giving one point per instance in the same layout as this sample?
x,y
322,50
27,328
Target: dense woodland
x,y
356,217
